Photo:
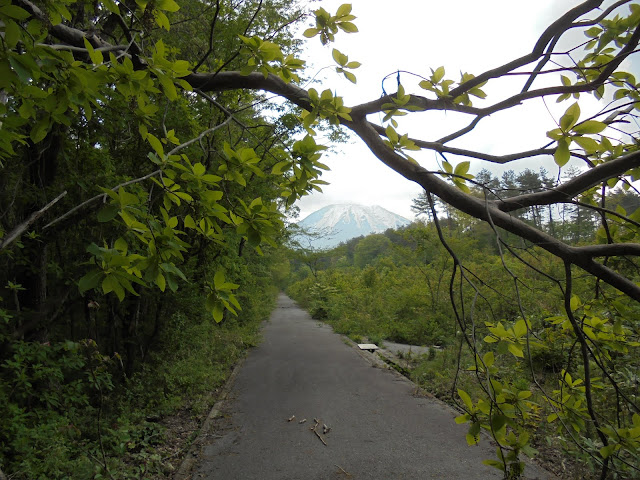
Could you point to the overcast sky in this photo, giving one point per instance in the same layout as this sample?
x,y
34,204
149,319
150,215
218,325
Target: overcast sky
x,y
416,35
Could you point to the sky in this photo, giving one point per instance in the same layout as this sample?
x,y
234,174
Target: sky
x,y
417,36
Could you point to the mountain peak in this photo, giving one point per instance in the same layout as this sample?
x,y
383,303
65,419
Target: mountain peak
x,y
341,222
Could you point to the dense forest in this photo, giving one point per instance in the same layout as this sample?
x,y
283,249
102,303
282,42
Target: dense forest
x,y
152,151
87,372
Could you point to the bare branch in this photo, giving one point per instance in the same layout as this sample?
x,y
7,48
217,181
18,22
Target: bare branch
x,y
20,229
440,148
212,30
557,27
573,187
199,137
102,196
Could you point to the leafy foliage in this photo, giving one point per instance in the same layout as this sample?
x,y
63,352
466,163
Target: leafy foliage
x,y
147,130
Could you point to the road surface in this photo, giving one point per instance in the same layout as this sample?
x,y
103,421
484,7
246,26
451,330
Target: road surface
x,y
379,428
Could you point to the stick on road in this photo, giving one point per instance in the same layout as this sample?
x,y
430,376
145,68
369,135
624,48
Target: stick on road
x,y
378,428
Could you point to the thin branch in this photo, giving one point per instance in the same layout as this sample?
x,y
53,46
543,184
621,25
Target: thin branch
x,y
200,137
575,186
71,48
14,234
213,26
557,27
501,159
102,196
585,364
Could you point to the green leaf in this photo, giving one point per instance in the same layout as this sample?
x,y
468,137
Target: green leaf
x,y
218,313
11,33
392,135
218,279
156,144
189,222
497,422
343,10
40,129
161,282
590,126
339,57
562,154
162,20
488,359
168,87
437,75
516,350
96,57
311,32
462,168
111,6
167,5
495,464
14,11
108,213
520,328
473,436
570,117
593,32
607,450
462,418
589,145
348,27
465,398
90,280
121,245
199,169
476,92
555,134
575,302
111,284
23,72
350,76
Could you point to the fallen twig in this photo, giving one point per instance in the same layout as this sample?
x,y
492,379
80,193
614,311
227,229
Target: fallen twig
x,y
320,437
316,432
343,471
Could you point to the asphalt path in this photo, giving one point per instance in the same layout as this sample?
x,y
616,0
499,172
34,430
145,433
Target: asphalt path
x,y
379,427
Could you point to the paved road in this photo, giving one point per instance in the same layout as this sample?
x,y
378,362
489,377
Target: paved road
x,y
379,429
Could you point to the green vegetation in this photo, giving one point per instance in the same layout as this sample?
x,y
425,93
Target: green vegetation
x,y
402,286
144,180
133,305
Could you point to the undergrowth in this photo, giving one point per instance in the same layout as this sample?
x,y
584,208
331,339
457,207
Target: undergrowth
x,y
68,411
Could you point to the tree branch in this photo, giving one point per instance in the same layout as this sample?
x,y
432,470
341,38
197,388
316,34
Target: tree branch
x,y
102,196
560,25
477,208
20,229
585,181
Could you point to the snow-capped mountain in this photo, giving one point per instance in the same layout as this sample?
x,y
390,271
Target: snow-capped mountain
x,y
339,223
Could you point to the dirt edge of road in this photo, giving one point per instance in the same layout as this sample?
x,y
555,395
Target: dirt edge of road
x,y
191,457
